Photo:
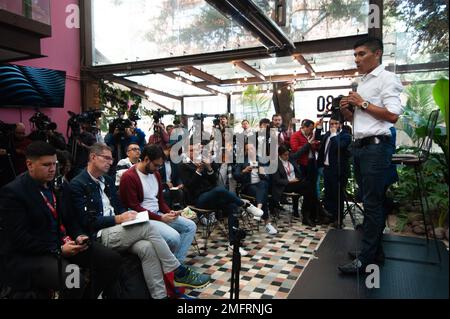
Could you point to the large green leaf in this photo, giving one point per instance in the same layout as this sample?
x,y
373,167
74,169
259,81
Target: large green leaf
x,y
440,94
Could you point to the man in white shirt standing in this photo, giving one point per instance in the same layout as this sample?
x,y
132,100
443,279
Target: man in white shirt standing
x,y
377,107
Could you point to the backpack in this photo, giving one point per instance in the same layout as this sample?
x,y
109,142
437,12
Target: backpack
x,y
131,282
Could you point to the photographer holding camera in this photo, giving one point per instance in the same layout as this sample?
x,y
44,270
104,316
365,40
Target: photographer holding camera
x,y
377,107
118,138
160,136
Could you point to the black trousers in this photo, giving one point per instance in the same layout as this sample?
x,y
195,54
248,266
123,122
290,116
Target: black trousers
x,y
105,270
310,202
335,184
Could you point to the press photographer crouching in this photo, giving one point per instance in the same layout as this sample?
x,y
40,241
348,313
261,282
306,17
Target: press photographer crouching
x,y
40,245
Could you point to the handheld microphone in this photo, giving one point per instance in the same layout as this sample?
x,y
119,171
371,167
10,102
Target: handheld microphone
x,y
355,86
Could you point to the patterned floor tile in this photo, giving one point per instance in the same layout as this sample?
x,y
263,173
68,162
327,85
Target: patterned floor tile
x,y
271,268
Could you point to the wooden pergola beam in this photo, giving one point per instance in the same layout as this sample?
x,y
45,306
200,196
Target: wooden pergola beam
x,y
201,75
247,68
301,59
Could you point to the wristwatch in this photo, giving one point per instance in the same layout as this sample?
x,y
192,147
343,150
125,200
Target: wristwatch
x,y
365,105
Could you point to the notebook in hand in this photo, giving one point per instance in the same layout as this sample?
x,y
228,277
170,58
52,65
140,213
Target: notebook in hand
x,y
141,217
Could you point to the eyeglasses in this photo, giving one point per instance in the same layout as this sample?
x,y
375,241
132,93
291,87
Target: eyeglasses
x,y
108,158
134,149
157,166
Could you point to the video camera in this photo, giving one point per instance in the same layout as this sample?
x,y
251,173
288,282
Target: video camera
x,y
121,124
89,117
158,114
216,121
42,122
199,116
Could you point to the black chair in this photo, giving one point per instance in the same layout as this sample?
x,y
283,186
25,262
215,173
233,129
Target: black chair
x,y
295,198
208,219
416,161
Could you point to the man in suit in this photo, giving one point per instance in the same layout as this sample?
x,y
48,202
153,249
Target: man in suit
x,y
334,158
288,178
36,232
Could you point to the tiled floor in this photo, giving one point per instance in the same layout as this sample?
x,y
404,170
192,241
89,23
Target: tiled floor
x,y
270,269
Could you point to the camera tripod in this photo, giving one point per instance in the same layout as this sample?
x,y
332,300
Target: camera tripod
x,y
236,263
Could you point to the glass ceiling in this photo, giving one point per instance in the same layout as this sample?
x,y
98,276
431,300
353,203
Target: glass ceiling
x,y
164,84
277,66
223,71
136,30
321,19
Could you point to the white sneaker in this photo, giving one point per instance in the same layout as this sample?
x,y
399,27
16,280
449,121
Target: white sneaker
x,y
270,229
242,251
255,211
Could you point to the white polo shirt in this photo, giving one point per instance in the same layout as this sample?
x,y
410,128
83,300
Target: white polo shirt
x,y
381,88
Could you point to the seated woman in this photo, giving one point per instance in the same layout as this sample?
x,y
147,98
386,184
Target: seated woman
x,y
287,179
254,183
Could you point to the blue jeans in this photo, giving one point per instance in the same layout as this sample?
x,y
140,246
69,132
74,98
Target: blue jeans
x,y
220,197
372,164
178,234
261,192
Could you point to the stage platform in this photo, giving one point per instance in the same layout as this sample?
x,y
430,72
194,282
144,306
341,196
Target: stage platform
x,y
411,270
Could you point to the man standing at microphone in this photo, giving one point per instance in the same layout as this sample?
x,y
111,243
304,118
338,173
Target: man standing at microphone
x,y
377,107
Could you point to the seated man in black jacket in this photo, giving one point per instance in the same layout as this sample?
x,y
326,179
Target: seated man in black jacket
x,y
200,186
36,232
288,178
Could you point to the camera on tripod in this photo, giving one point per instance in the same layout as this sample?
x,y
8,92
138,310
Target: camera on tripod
x,y
42,122
89,117
122,124
199,116
159,114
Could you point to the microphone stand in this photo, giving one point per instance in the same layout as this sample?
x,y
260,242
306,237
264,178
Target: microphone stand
x,y
236,263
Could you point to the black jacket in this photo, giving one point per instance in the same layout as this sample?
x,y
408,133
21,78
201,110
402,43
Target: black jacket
x,y
175,174
338,154
245,179
27,228
280,180
194,184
